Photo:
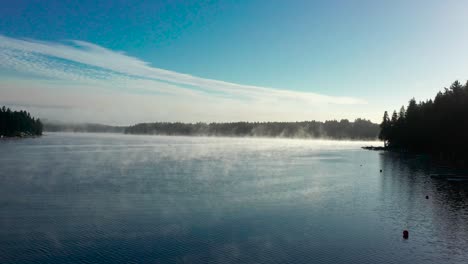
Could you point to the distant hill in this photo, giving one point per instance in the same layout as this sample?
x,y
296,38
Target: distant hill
x,y
360,129
51,126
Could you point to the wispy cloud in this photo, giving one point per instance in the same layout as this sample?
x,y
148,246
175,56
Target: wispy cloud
x,y
84,66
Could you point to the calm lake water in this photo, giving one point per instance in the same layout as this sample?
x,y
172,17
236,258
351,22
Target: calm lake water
x,y
88,198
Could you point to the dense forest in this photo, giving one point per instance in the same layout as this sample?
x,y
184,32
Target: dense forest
x,y
434,126
344,129
18,124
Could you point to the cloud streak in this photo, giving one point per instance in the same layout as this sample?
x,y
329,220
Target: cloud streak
x,y
87,68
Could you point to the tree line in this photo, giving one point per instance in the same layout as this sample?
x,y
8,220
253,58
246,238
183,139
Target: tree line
x,y
344,129
435,126
18,123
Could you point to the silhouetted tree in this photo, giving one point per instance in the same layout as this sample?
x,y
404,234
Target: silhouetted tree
x,y
384,128
18,123
439,125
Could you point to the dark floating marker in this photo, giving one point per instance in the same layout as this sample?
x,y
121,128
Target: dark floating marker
x,y
405,234
427,197
380,170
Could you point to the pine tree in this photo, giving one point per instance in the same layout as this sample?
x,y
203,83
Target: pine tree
x,y
384,128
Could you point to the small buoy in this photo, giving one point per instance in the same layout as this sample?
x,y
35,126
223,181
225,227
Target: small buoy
x,y
405,234
380,170
427,196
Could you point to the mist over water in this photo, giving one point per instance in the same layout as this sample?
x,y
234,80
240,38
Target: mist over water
x,y
108,198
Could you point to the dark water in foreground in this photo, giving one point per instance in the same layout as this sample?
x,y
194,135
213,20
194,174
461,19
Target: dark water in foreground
x,y
77,198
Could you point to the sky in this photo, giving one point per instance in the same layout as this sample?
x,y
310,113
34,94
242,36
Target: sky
x,y
125,62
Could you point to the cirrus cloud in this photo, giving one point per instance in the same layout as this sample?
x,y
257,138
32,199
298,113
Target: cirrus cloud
x,y
88,76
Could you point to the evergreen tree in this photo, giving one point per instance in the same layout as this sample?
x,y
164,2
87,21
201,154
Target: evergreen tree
x,y
18,123
439,125
384,128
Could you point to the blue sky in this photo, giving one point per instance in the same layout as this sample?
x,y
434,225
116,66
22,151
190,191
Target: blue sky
x,y
122,62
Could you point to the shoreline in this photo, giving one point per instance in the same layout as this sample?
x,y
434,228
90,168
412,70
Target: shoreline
x,y
369,140
19,137
374,148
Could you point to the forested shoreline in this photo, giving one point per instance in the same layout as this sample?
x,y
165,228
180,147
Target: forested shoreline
x,y
18,124
22,124
360,129
438,126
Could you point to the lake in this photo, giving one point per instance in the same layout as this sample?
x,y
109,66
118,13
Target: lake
x,y
109,198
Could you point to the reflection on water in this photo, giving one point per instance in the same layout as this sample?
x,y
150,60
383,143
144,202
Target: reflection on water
x,y
440,221
72,198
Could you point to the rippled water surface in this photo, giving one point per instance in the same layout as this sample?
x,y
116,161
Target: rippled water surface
x,y
87,198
